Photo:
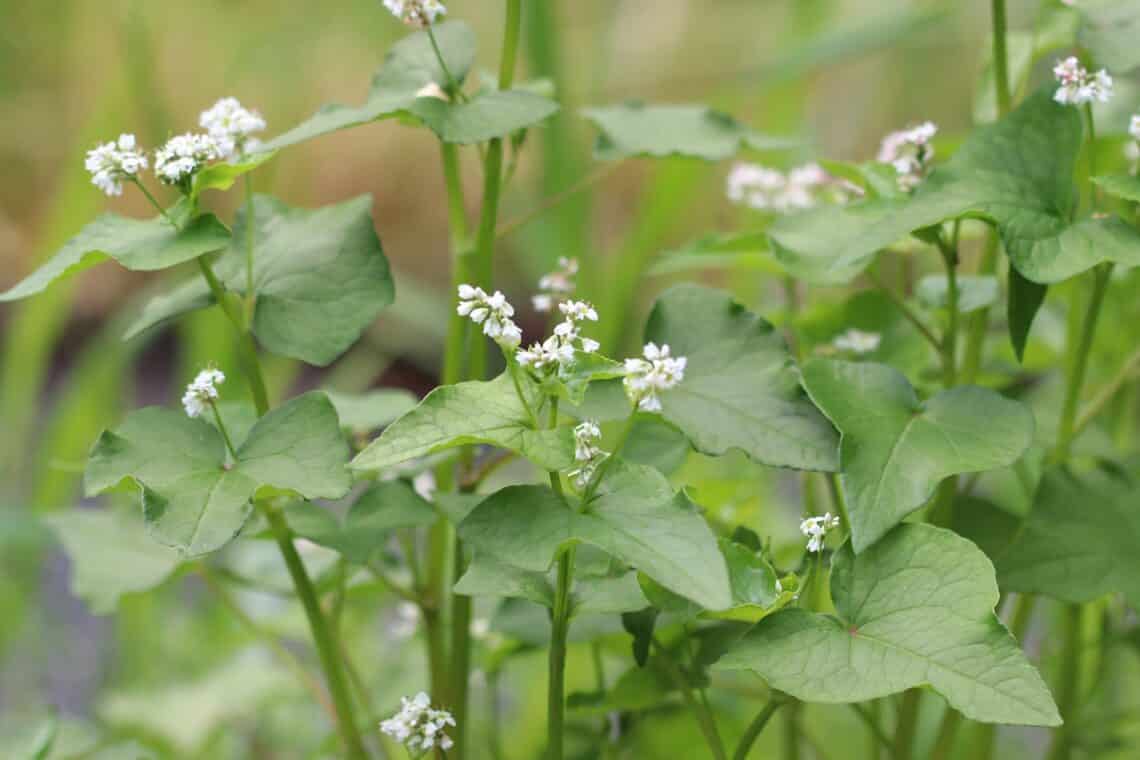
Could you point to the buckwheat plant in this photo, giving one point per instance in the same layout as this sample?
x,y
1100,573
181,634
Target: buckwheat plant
x,y
570,471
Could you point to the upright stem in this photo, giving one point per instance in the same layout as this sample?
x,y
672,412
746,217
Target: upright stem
x,y
748,738
907,725
947,733
559,629
1069,684
322,636
1080,359
250,233
950,338
1001,58
704,716
792,732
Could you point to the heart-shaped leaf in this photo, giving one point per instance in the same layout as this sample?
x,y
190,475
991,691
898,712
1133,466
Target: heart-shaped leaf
x,y
741,387
111,556
320,277
194,499
914,610
660,131
895,449
474,412
635,516
1080,540
489,114
141,245
410,65
974,292
364,412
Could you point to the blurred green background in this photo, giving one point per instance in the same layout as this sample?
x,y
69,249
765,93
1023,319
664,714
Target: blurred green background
x,y
171,668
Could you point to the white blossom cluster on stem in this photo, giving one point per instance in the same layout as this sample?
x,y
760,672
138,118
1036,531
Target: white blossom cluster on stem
x,y
113,163
910,152
419,726
203,392
493,312
559,350
656,370
555,285
858,342
816,528
182,156
231,126
766,189
587,453
1077,86
419,13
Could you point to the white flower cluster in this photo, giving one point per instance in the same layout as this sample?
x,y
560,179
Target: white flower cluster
x,y
587,452
418,726
816,528
858,342
203,392
493,312
112,163
231,126
183,155
1078,86
419,13
909,151
557,351
1132,149
656,371
555,285
801,188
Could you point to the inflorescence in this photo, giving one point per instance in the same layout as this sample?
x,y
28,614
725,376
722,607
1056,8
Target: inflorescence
x,y
858,342
816,528
910,152
555,285
656,371
1078,86
493,312
801,188
421,13
112,163
587,453
231,126
203,392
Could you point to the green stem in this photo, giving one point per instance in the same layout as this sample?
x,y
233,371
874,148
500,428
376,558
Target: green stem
x,y
222,429
1106,394
704,716
792,732
250,234
1080,359
1068,687
906,311
907,725
947,733
950,339
452,82
326,645
835,486
154,202
556,665
603,171
748,738
1001,58
979,320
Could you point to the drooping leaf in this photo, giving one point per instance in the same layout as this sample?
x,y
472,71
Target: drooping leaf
x,y
376,513
1109,30
372,410
741,387
194,498
111,556
640,626
660,131
1016,173
487,115
410,65
474,412
635,517
223,175
1025,299
141,245
915,609
974,292
895,449
320,277
1123,186
1079,542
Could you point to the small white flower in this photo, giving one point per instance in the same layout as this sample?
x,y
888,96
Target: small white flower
x,y
910,152
424,485
657,371
231,126
432,90
586,437
418,726
1077,86
493,312
556,284
558,351
858,342
766,189
419,13
577,311
112,163
816,528
182,156
203,392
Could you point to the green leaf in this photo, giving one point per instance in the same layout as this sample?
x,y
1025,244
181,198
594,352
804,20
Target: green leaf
x,y
136,244
410,65
223,175
111,556
373,410
1109,30
640,626
1079,542
1025,299
380,510
320,277
488,576
914,610
974,292
635,517
1123,186
197,501
741,387
467,413
745,250
895,449
1016,173
488,115
636,129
